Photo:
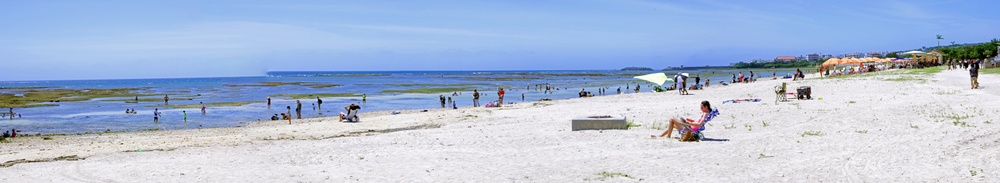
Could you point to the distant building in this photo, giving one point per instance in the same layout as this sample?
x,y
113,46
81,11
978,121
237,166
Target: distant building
x,y
785,59
875,54
812,57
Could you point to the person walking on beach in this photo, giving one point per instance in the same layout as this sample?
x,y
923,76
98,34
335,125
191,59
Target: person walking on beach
x,y
475,98
500,94
751,77
319,103
289,108
974,73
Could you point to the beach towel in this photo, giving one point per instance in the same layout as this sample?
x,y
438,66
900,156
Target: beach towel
x,y
741,100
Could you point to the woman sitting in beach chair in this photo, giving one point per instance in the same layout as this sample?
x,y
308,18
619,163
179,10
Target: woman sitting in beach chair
x,y
690,128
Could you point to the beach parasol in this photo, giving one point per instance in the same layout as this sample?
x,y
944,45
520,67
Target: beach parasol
x,y
658,78
831,61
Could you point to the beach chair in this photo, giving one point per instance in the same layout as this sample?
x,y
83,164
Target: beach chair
x,y
779,92
697,132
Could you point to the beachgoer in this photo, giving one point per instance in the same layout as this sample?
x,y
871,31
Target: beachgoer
x,y
974,74
13,133
166,99
522,97
156,115
475,98
136,98
202,107
449,100
619,90
637,88
706,82
298,109
133,111
289,108
500,94
351,117
319,103
582,93
734,78
678,123
741,77
269,101
751,76
364,98
697,80
186,115
127,111
442,100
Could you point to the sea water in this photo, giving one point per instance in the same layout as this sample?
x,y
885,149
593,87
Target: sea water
x,y
108,114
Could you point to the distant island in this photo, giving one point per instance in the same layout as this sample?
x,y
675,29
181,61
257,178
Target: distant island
x,y
637,69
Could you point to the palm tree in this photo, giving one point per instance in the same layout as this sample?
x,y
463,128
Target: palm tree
x,y
939,38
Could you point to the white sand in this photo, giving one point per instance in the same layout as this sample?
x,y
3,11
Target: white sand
x,y
871,130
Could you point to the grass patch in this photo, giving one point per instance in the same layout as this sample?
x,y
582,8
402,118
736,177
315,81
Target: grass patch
x,y
321,95
995,70
38,97
906,78
270,84
435,85
214,104
503,79
631,124
926,70
862,131
426,90
812,133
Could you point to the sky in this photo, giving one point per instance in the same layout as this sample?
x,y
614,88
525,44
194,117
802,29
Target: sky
x,y
69,40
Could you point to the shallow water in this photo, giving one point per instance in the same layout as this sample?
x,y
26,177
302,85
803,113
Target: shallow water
x,y
103,114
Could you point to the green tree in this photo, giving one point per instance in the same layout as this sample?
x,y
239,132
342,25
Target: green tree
x,y
892,55
939,38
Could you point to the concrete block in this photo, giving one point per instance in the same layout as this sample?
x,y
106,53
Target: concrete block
x,y
599,123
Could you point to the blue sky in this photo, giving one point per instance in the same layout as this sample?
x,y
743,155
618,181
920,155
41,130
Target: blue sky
x,y
47,40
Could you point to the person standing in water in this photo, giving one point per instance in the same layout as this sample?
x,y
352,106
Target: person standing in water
x,y
156,115
202,108
364,98
501,94
298,109
442,100
475,98
268,101
319,103
166,99
185,116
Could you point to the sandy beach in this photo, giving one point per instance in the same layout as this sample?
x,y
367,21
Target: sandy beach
x,y
890,126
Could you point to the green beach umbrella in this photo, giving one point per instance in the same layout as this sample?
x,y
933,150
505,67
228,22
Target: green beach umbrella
x,y
658,78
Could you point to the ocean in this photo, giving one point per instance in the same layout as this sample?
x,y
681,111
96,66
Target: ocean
x,y
385,90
